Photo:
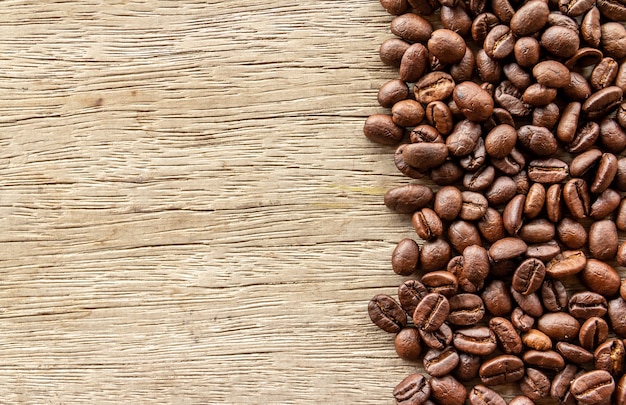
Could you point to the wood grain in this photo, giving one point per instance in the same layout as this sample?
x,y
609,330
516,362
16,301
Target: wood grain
x,y
190,213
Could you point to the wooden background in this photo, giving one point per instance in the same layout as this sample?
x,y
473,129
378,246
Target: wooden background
x,y
189,210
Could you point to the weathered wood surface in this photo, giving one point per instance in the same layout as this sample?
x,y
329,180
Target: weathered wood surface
x,y
189,210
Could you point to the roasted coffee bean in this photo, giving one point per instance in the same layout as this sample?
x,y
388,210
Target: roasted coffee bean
x,y
529,276
448,202
497,298
578,89
449,172
510,98
517,76
603,74
590,27
500,141
611,9
576,197
554,295
463,139
489,69
521,320
512,216
602,102
620,220
535,200
499,42
478,340
546,171
501,191
414,389
425,133
507,248
392,92
612,136
593,332
482,24
535,384
464,70
439,116
527,51
423,156
587,304
538,95
566,264
592,387
530,18
603,240
599,276
561,383
568,123
551,73
537,231
468,367
617,316
395,7
605,204
546,359
408,198
621,260
511,164
403,167
584,138
547,116
427,224
466,309
476,159
620,115
605,173
585,163
446,45
413,63
584,57
491,226
575,8
571,233
501,369
620,391
407,113
411,27
474,206
480,179
447,390
442,282
392,50
559,325
613,38
481,395
474,102
503,9
407,344
530,303
431,312
410,293
537,340
455,18
380,128
558,19
386,313
574,353
462,234
433,86
475,268
405,257
506,335
620,79
439,363
560,41
438,339
553,203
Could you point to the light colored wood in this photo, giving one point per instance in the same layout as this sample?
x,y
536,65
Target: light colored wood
x,y
189,210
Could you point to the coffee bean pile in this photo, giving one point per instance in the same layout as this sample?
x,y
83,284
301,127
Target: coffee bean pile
x,y
514,111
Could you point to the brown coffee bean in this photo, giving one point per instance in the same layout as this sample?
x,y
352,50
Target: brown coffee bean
x,y
571,233
621,260
605,173
407,113
497,298
463,70
538,95
603,240
512,215
455,18
447,46
466,309
551,73
530,303
435,254
593,332
537,231
433,86
535,200
547,116
501,191
482,24
501,369
527,51
407,344
447,390
431,312
403,167
553,203
584,163
480,179
489,69
380,128
593,387
545,359
405,257
440,117
558,19
530,18
411,27
613,39
559,325
448,202
517,76
617,316
554,295
423,156
386,313
575,8
537,340
546,171
507,248
468,367
620,220
584,138
609,356
438,339
439,363
569,122
413,390
491,225
561,383
441,282
522,321
574,353
395,7
478,340
603,74
599,276
620,79
474,206
392,92
392,50
612,136
602,102
529,276
560,41
500,141
410,293
425,133
475,268
503,9
576,197
474,102
506,335
408,198
521,400
462,234
590,27
481,395
499,42
476,158
463,139
578,89
620,391
612,9
413,63
566,264
535,384
427,224
510,98
587,304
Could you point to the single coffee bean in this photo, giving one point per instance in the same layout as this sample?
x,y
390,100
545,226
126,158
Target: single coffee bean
x,y
464,70
551,73
605,173
576,197
489,69
506,335
535,200
546,359
568,123
411,27
447,390
404,167
530,303
446,45
621,260
546,171
503,10
605,204
529,276
449,172
560,41
405,257
592,387
392,92
474,102
620,220
587,304
558,19
386,313
439,363
497,298
477,157
433,86
603,240
538,95
512,216
593,332
547,116
590,27
466,309
439,116
480,179
554,295
491,225
617,316
522,321
537,340
442,282
612,9
407,113
566,264
575,8
475,268
474,206
554,208
500,141
380,128
410,293
468,367
408,198
501,369
414,389
571,233
537,231
612,136
499,42
613,39
462,234
603,74
517,76
599,276
585,163
395,7
544,251
427,224
620,391
561,383
507,248
501,191
423,156
620,79
481,395
425,133
431,312
448,202
413,63
392,50
530,18
464,138
438,339
578,89
482,24
407,344
511,164
478,340
574,353
602,102
527,51
535,384
559,325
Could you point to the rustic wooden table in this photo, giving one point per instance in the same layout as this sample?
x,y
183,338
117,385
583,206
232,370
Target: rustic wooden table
x,y
190,212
